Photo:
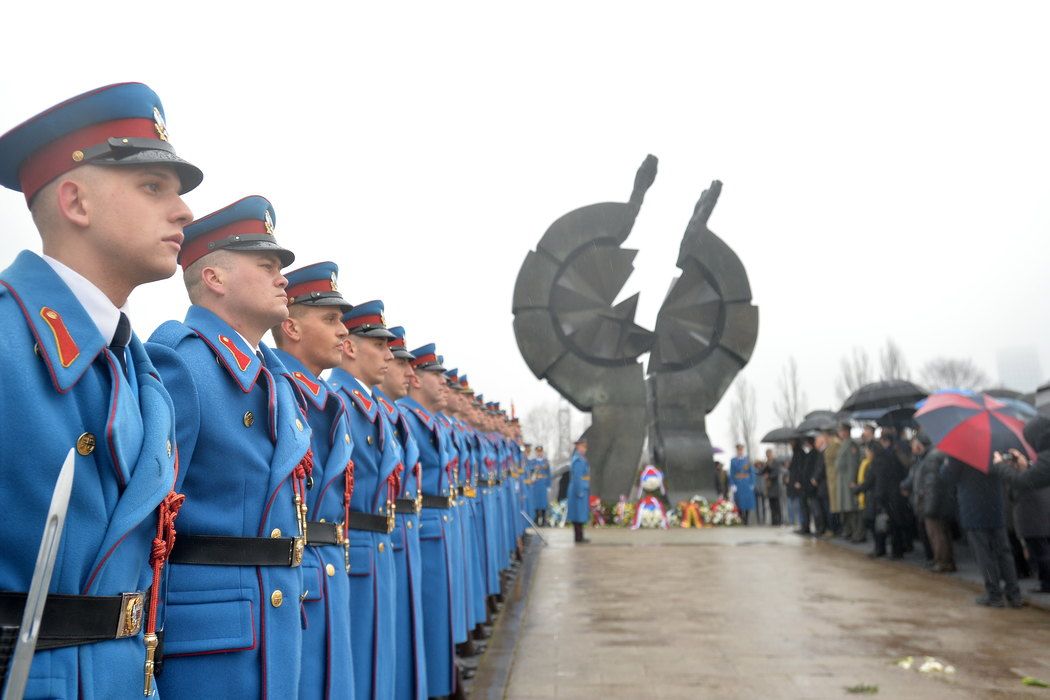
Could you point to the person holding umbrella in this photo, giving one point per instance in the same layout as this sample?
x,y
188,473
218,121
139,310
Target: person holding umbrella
x,y
972,429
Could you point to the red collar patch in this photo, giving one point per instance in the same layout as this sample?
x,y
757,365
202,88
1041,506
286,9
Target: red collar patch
x,y
363,399
423,414
387,406
242,360
68,351
312,386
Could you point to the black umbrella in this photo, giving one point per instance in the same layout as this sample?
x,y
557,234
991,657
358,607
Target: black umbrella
x,y
784,434
817,421
891,393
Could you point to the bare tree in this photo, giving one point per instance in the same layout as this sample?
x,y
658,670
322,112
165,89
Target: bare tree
x,y
854,372
892,361
743,414
790,405
950,372
540,426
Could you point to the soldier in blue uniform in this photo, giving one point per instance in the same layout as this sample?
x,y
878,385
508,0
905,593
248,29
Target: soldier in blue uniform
x,y
541,485
75,375
309,341
468,417
427,396
233,617
411,675
365,360
579,495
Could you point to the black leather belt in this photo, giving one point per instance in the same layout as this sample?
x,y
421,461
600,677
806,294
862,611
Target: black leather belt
x,y
406,506
238,551
71,620
437,501
324,533
370,523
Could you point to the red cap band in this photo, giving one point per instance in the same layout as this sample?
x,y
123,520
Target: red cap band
x,y
425,360
363,321
306,288
196,249
58,156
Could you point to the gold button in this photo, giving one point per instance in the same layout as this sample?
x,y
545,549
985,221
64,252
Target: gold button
x,y
369,439
409,524
298,425
381,546
275,533
86,444
78,156
249,418
167,445
445,518
346,438
36,349
329,569
321,520
276,598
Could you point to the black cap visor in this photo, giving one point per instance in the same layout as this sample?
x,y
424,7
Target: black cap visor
x,y
372,332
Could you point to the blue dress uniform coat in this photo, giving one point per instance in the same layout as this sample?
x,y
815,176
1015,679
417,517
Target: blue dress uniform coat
x,y
455,526
64,388
579,495
742,476
490,512
327,666
434,538
411,677
243,445
541,484
473,547
373,608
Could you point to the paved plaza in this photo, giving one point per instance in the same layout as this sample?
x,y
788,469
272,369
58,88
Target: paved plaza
x,y
747,613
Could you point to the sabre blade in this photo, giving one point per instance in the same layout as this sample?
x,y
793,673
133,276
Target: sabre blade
x,y
22,659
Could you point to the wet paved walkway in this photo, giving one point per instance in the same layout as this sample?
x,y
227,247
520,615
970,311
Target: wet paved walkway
x,y
747,613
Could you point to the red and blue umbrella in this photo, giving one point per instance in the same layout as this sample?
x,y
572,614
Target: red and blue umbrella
x,y
971,427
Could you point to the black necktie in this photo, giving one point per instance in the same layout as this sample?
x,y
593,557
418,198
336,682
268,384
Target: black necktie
x,y
121,338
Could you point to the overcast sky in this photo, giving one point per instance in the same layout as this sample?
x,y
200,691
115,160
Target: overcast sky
x,y
886,166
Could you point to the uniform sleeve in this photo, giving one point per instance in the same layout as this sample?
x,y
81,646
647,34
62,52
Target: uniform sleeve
x,y
177,379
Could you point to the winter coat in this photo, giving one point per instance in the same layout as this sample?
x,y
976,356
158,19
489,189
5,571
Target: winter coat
x,y
980,496
831,471
847,464
814,470
1032,512
741,474
939,494
797,473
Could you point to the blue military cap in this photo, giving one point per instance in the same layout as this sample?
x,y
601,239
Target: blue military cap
x,y
316,285
244,226
119,124
397,344
367,319
451,375
427,359
464,385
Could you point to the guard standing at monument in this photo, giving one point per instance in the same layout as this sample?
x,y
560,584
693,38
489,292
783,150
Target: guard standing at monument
x,y
309,341
233,615
365,360
579,491
541,485
425,398
103,185
411,676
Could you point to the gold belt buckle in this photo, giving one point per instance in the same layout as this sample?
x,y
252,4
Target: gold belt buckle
x,y
131,614
419,501
298,547
391,508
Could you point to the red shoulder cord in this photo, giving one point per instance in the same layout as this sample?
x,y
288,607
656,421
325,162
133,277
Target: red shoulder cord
x,y
449,469
167,511
393,483
348,492
418,471
300,474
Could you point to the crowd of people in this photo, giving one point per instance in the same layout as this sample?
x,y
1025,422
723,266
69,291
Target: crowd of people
x,y
333,516
891,486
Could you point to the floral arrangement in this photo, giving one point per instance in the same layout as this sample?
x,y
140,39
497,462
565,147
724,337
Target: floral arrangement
x,y
724,512
691,513
650,513
597,512
558,513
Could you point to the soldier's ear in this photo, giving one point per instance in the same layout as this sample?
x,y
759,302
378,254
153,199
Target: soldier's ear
x,y
290,328
70,200
349,349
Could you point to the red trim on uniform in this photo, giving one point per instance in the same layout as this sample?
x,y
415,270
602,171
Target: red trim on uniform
x,y
312,386
423,414
194,250
387,406
363,399
307,287
68,351
359,321
424,360
397,343
242,360
56,158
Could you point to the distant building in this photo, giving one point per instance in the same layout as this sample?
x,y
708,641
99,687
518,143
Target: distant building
x,y
1019,368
